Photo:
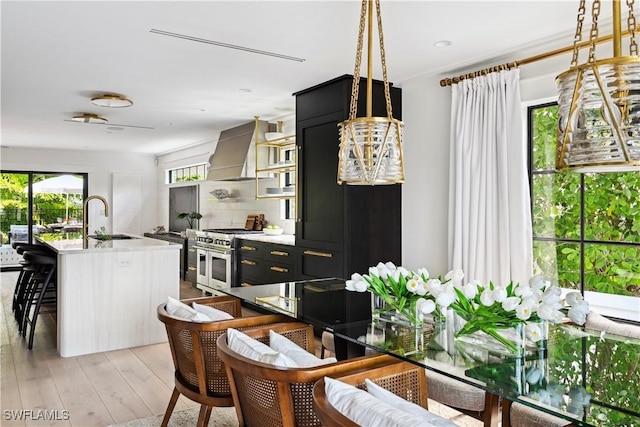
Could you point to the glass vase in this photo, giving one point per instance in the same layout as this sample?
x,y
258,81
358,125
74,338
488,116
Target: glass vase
x,y
389,312
515,341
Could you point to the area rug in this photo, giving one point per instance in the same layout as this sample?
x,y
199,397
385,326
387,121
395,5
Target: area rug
x,y
220,417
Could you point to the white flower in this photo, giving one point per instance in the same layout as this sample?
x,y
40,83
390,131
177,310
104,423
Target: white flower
x,y
433,285
403,271
574,298
373,271
510,303
445,299
499,294
425,306
423,273
356,277
470,290
412,286
522,291
551,295
578,313
523,312
486,298
550,313
421,289
361,286
390,266
395,274
533,332
538,283
531,302
454,275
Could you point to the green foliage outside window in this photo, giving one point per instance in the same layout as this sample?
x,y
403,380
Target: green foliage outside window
x,y
567,234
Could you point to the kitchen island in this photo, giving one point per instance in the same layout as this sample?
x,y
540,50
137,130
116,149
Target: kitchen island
x,y
109,291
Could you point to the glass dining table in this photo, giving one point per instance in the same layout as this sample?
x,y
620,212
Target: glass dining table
x,y
584,376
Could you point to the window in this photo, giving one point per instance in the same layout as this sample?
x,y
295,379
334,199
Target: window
x,y
586,227
187,173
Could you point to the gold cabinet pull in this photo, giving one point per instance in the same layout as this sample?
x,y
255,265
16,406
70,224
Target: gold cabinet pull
x,y
279,269
279,253
248,248
192,268
247,262
245,284
316,253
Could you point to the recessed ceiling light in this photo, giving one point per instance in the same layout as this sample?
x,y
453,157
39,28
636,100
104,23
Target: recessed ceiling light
x,y
443,43
244,89
111,100
89,118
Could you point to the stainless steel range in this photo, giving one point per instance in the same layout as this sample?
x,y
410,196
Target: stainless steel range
x,y
215,269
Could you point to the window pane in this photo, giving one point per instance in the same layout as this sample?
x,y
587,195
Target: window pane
x,y
558,262
612,207
545,120
612,269
556,205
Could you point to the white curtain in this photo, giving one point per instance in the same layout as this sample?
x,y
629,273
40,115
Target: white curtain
x,y
490,235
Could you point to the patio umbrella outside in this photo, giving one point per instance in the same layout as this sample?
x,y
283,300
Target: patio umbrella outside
x,y
62,184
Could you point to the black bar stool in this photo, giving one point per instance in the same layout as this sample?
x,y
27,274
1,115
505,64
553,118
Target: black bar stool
x,y
26,270
41,294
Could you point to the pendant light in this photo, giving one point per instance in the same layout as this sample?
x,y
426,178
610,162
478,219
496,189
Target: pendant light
x,y
599,102
370,147
89,118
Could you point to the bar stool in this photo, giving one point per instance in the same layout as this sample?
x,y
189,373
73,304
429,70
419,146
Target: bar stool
x,y
41,294
26,270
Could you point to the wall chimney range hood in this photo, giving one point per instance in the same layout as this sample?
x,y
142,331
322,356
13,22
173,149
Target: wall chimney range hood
x,y
234,157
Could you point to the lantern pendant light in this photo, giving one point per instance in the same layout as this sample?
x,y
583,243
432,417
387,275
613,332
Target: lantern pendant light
x,y
370,147
599,103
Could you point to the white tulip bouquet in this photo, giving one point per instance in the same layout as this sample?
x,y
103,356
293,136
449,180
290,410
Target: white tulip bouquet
x,y
492,308
413,294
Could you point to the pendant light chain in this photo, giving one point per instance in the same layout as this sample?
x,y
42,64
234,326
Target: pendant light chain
x,y
631,26
593,35
578,36
355,87
383,60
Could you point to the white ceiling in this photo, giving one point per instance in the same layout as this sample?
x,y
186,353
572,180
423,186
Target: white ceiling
x,y
57,55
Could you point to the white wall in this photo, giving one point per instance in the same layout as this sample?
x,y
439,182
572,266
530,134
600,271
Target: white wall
x,y
101,167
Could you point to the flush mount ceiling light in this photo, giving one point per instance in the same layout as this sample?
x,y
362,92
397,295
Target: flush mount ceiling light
x,y
89,118
111,100
599,102
370,147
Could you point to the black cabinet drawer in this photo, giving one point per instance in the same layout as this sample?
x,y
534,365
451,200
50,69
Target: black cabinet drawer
x,y
250,248
320,263
280,253
277,272
250,269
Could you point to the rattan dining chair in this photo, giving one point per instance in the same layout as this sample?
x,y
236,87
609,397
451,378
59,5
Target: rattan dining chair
x,y
265,395
200,375
402,378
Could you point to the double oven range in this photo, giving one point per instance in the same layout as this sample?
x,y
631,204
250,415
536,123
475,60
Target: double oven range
x,y
215,266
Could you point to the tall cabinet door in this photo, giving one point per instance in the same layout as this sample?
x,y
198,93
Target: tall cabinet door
x,y
340,229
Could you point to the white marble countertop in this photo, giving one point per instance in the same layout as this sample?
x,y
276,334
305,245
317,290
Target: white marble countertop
x,y
69,243
283,239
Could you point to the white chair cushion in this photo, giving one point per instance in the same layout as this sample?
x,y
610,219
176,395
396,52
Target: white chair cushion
x,y
212,313
364,409
406,406
302,357
253,349
179,309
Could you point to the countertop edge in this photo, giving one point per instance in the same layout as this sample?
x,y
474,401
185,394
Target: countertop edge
x,y
74,246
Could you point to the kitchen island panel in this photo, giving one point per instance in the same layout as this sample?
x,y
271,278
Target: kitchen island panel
x,y
107,300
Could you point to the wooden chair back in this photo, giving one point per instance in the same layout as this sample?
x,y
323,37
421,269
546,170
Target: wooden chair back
x,y
403,378
266,396
200,375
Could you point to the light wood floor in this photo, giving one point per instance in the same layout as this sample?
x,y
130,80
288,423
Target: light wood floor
x,y
96,390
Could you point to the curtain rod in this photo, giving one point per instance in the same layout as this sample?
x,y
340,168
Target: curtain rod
x,y
529,60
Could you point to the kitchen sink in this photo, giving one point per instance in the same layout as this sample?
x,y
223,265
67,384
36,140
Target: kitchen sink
x,y
111,237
